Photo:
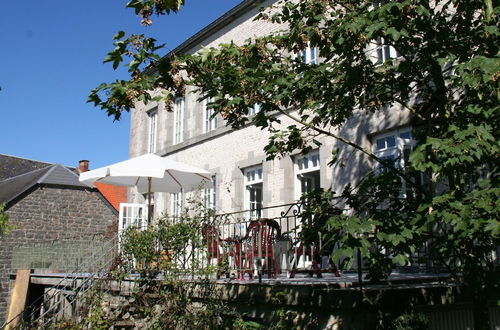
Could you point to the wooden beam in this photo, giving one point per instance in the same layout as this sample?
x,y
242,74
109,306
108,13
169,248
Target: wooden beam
x,y
18,297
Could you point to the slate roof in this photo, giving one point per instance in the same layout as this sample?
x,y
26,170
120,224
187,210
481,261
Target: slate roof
x,y
11,166
15,167
55,174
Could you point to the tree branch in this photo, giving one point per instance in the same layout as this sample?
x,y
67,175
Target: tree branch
x,y
357,147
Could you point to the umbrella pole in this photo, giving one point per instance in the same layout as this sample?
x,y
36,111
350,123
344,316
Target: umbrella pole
x,y
150,213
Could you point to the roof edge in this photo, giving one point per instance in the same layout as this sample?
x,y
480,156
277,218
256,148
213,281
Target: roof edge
x,y
34,160
30,172
54,166
228,17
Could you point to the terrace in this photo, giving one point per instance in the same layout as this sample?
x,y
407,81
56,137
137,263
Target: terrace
x,y
246,255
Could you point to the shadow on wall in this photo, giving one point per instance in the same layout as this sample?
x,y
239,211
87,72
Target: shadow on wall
x,y
352,165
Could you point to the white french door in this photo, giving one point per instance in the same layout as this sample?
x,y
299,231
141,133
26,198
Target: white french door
x,y
132,215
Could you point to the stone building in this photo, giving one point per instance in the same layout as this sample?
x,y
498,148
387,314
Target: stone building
x,y
58,223
242,177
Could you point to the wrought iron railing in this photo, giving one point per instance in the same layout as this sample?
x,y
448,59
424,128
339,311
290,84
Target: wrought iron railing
x,y
235,237
268,245
238,244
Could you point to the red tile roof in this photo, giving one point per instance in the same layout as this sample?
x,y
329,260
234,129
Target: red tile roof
x,y
114,194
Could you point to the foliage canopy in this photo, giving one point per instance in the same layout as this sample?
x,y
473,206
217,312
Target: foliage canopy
x,y
447,77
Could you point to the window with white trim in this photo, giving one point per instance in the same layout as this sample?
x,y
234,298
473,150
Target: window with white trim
x,y
253,110
176,204
310,55
307,173
384,52
145,196
132,215
394,147
209,120
253,179
179,105
210,194
152,128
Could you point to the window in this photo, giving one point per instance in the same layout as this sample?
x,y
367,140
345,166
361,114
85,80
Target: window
x,y
153,118
307,169
145,196
179,120
210,195
310,55
253,190
394,147
176,204
132,215
384,52
255,109
209,121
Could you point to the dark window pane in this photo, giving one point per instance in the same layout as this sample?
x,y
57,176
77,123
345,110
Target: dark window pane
x,y
391,141
405,135
380,144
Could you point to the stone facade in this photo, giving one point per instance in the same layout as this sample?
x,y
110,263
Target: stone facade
x,y
55,228
226,152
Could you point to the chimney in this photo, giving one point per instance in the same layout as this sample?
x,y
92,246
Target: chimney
x,y
83,166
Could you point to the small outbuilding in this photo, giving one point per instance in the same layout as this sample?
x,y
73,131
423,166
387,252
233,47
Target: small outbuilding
x,y
59,223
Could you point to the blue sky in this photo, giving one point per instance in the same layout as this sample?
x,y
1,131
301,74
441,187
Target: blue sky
x,y
51,54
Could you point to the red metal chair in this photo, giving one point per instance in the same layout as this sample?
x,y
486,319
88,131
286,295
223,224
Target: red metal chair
x,y
221,249
314,253
212,240
259,242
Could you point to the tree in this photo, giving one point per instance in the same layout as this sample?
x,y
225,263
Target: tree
x,y
447,77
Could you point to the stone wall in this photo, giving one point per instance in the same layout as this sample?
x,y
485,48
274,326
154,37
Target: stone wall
x,y
306,305
226,152
55,229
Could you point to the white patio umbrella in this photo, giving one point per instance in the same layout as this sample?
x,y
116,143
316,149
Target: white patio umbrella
x,y
149,173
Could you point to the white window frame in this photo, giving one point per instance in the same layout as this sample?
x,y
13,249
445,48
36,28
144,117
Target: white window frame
x,y
179,108
303,165
253,110
310,55
132,214
384,148
176,202
209,121
384,52
253,179
152,130
210,194
380,52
